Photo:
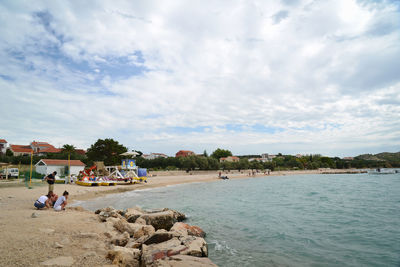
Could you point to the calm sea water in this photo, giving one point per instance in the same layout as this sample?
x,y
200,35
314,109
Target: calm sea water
x,y
303,220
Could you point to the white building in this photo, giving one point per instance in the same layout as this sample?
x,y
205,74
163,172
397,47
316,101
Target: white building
x,y
3,146
267,158
154,155
47,166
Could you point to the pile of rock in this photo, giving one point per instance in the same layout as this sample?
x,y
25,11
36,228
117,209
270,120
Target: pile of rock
x,y
153,238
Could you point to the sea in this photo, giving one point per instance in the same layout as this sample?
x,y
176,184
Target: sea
x,y
296,220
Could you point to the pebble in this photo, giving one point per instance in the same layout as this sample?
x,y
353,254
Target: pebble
x,y
58,245
34,215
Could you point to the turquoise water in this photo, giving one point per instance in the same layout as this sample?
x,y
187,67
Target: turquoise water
x,y
303,220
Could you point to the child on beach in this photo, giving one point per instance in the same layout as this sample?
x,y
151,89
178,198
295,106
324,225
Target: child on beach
x,y
61,202
43,201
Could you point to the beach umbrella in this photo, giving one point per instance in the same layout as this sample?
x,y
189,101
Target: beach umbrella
x,y
131,154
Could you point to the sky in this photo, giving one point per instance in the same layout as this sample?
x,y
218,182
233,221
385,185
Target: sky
x,y
289,76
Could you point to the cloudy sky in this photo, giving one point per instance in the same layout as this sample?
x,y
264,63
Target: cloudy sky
x,y
289,76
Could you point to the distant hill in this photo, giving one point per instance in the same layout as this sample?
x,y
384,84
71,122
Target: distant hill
x,y
384,156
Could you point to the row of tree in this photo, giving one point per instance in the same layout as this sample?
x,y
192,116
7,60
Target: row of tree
x,y
109,150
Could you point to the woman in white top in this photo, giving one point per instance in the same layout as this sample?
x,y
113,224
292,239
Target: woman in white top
x,y
43,201
61,202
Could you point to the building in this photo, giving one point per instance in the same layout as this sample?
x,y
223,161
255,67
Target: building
x,y
154,155
43,148
229,159
80,151
38,148
21,150
184,153
3,146
47,166
267,158
258,159
348,158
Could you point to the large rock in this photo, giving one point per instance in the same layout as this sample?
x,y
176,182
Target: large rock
x,y
121,239
132,214
160,220
122,256
108,212
143,230
196,246
158,237
184,261
154,252
188,245
185,229
135,230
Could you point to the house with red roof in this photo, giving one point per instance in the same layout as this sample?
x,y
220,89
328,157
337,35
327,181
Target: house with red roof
x,y
3,146
184,153
43,148
47,166
21,150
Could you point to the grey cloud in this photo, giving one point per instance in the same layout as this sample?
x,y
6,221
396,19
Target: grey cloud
x,y
369,72
279,16
384,27
290,2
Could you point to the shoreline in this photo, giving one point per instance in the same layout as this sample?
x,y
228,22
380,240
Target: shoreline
x,y
62,236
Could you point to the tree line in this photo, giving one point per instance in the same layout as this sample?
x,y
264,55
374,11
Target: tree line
x,y
109,150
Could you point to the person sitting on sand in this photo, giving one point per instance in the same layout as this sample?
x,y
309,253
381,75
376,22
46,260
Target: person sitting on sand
x,y
53,199
61,202
43,201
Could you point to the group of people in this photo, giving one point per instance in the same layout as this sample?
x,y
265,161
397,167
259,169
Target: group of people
x,y
52,200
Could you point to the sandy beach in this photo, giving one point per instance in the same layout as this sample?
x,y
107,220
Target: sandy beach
x,y
73,237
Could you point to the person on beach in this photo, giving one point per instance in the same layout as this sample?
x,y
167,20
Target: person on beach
x,y
61,202
43,201
53,199
51,178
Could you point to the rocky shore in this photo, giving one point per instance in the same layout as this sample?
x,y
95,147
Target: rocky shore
x,y
136,237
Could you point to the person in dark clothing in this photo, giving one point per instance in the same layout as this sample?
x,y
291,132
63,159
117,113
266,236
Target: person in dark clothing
x,y
51,178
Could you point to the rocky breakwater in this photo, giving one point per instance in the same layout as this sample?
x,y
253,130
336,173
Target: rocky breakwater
x,y
153,238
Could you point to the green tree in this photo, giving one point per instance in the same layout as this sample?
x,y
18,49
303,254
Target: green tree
x,y
205,153
106,150
213,164
9,153
243,164
68,149
188,163
202,163
221,153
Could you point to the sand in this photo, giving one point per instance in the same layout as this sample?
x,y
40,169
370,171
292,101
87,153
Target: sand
x,y
73,237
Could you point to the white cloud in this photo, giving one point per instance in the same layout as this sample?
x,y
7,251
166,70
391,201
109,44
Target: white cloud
x,y
297,76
